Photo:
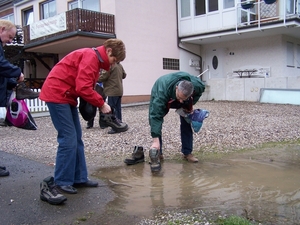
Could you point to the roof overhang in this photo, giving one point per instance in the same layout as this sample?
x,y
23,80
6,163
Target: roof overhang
x,y
63,44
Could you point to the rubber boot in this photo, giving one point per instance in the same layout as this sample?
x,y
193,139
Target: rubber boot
x,y
136,157
154,160
90,124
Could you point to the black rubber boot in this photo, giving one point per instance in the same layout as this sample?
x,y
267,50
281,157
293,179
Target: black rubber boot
x,y
90,124
136,157
155,161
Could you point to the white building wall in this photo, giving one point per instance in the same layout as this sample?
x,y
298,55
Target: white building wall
x,y
249,53
149,31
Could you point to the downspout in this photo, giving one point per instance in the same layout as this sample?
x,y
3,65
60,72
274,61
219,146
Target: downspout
x,y
178,42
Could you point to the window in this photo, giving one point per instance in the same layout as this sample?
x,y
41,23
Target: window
x,y
9,17
290,54
27,16
228,4
185,8
213,5
199,7
86,4
48,9
170,64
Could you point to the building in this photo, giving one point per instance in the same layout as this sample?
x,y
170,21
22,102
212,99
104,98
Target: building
x,y
236,47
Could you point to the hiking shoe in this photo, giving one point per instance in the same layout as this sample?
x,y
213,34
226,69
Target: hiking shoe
x,y
50,193
23,92
136,157
112,121
190,158
154,160
3,171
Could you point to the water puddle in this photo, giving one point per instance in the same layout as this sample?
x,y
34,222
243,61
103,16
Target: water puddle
x,y
263,185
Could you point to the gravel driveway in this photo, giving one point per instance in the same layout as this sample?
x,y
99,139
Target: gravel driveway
x,y
230,126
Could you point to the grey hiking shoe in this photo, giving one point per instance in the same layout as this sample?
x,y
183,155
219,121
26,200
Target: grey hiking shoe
x,y
154,160
136,157
112,121
24,92
50,193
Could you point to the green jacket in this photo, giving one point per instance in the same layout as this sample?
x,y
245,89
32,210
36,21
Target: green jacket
x,y
113,80
163,92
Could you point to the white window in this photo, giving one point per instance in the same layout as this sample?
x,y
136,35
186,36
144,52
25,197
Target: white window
x,y
213,5
27,16
228,4
93,5
290,54
48,9
9,17
185,8
200,7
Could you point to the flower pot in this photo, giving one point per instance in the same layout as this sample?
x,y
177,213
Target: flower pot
x,y
247,5
270,1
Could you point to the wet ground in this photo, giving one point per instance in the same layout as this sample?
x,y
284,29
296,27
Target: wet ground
x,y
262,185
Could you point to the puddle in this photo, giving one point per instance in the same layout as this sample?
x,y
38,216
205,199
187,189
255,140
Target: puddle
x,y
263,185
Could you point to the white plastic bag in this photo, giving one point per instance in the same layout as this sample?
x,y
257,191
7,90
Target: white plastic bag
x,y
2,114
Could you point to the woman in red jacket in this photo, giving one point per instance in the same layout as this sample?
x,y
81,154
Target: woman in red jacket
x,y
74,76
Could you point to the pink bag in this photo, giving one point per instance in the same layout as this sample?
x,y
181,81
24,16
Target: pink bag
x,y
18,114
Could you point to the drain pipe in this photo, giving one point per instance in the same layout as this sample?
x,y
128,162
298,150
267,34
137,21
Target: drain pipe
x,y
178,41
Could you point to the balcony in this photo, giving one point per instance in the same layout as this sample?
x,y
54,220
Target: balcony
x,y
81,28
242,21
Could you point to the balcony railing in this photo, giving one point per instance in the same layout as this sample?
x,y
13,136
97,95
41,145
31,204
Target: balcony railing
x,y
257,13
80,20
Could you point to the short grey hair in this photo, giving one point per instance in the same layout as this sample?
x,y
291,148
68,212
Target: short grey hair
x,y
186,88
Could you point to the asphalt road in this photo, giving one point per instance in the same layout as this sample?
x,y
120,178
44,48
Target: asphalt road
x,y
20,201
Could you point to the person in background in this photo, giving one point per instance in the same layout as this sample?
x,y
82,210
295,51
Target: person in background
x,y
74,76
178,90
113,88
11,76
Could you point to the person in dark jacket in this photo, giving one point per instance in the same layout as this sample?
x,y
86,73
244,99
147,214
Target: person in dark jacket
x,y
174,90
113,88
9,74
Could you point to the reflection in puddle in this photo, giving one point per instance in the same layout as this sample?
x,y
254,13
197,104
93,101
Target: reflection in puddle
x,y
263,190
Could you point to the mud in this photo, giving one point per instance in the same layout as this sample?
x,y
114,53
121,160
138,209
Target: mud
x,y
261,185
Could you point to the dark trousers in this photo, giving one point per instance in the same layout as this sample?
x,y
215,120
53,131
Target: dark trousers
x,y
186,134
115,102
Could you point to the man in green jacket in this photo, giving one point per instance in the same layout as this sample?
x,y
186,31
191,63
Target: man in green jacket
x,y
175,90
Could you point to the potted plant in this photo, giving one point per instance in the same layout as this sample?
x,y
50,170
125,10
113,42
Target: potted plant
x,y
247,4
270,1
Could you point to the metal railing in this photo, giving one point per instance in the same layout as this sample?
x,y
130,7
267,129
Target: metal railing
x,y
257,13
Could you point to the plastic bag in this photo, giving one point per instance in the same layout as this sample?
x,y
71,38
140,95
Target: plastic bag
x,y
2,114
18,114
87,110
195,119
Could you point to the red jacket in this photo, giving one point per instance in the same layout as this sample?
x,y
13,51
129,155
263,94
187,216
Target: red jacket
x,y
75,76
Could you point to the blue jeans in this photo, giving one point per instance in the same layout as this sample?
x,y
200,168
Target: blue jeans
x,y
70,165
115,102
186,134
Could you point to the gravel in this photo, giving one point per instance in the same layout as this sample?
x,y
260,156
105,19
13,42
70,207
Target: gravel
x,y
231,126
